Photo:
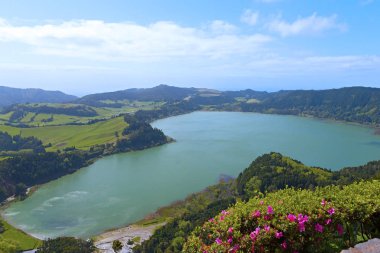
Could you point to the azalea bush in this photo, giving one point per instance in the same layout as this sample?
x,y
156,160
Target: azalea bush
x,y
325,220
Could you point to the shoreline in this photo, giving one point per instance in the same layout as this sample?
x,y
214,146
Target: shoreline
x,y
132,233
136,226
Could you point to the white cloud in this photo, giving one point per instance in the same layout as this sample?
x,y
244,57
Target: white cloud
x,y
95,39
221,27
311,25
250,17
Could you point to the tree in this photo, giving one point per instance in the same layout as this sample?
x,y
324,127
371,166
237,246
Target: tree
x,y
117,245
66,245
21,190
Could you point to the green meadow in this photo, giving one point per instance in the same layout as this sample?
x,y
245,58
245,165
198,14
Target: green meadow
x,y
79,136
21,239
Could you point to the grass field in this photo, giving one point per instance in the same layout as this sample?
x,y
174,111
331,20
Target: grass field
x,y
24,240
82,137
61,119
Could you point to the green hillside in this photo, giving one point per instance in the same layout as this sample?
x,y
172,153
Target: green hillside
x,y
81,136
267,174
327,219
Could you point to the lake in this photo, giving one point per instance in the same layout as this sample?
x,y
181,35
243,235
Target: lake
x,y
123,188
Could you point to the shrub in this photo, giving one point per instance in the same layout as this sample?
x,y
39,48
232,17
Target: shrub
x,y
325,220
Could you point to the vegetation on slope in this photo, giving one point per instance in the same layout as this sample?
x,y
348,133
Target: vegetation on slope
x,y
268,173
324,220
66,245
353,104
17,143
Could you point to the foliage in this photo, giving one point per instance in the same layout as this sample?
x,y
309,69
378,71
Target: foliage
x,y
290,220
16,143
273,171
141,135
18,172
117,245
66,245
172,236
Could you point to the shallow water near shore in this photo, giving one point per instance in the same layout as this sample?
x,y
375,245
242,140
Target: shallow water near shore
x,y
123,188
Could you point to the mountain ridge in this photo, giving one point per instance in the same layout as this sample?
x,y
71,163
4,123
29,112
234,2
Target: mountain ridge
x,y
9,96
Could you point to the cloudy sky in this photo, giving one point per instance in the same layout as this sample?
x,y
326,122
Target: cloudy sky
x,y
87,46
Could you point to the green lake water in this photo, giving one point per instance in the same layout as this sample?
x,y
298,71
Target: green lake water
x,y
123,188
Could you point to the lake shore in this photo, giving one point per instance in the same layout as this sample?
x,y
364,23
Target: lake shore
x,y
303,116
132,233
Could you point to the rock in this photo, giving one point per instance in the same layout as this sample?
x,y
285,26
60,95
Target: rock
x,y
371,246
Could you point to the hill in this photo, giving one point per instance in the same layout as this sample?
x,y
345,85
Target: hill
x,y
9,96
353,104
158,93
267,174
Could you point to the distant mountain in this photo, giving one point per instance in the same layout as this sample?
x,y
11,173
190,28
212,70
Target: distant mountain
x,y
9,96
158,93
355,104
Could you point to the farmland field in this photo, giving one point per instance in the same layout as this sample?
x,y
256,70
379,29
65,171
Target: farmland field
x,y
82,137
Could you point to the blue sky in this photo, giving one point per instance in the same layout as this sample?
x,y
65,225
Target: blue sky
x,y
88,46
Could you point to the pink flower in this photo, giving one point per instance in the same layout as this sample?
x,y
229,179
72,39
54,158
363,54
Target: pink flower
x,y
301,227
319,228
252,235
340,229
284,245
278,235
267,228
331,211
323,202
267,217
255,233
257,230
211,220
256,214
270,210
218,241
229,240
328,221
291,217
221,217
302,218
261,202
224,212
230,230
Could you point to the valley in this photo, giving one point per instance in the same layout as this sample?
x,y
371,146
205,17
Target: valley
x,y
216,135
